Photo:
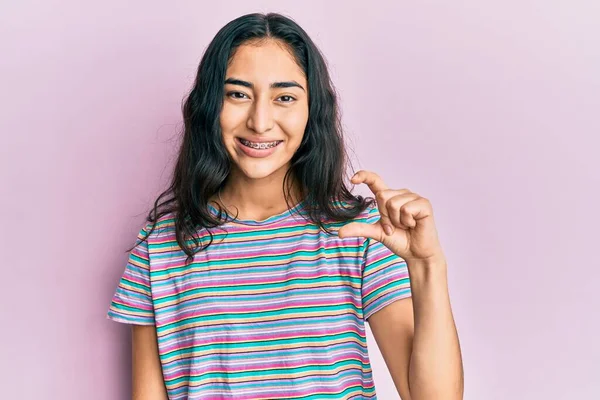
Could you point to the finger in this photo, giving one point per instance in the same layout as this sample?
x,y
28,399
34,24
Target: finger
x,y
407,218
373,231
397,210
418,210
388,210
371,179
382,199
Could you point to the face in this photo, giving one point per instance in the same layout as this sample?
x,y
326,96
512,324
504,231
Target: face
x,y
265,110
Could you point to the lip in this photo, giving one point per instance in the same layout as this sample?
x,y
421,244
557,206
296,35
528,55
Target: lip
x,y
262,140
256,153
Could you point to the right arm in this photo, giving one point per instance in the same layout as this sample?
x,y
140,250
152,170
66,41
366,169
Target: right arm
x,y
148,382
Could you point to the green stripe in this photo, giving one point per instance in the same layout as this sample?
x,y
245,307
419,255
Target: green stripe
x,y
336,279
265,373
291,311
284,257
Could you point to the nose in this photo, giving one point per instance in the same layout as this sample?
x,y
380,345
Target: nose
x,y
260,118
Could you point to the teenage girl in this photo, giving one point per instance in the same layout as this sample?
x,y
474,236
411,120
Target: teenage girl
x,y
257,268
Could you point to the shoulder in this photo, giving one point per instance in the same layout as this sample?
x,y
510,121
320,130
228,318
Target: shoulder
x,y
158,230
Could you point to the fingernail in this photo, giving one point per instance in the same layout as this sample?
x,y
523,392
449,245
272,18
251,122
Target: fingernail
x,y
387,229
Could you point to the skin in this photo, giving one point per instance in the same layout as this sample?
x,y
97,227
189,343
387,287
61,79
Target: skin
x,y
255,185
416,336
147,379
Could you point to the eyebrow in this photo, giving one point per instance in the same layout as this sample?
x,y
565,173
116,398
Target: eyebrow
x,y
274,85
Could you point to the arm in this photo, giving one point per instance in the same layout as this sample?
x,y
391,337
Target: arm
x,y
148,383
393,330
423,356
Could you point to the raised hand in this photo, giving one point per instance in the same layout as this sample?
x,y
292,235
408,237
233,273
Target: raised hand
x,y
406,226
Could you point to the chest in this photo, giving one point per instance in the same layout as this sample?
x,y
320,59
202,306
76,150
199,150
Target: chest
x,y
266,279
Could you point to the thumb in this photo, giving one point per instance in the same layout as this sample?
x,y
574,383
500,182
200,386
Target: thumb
x,y
373,231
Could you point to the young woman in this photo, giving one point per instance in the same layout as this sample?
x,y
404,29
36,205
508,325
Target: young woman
x,y
257,268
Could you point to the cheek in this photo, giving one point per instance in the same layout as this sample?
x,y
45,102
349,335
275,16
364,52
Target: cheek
x,y
230,117
223,121
294,124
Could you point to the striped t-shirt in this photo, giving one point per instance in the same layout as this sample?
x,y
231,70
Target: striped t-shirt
x,y
272,309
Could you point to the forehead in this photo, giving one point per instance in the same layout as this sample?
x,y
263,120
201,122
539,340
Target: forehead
x,y
264,62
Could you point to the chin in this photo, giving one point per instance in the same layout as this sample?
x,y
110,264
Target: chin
x,y
259,170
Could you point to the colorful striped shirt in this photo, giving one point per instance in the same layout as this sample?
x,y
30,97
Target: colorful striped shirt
x,y
272,309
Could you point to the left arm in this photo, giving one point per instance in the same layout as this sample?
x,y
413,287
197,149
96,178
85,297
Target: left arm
x,y
417,337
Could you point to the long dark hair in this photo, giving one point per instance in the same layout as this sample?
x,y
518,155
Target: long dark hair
x,y
319,165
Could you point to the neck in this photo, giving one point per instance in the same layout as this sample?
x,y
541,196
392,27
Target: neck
x,y
257,199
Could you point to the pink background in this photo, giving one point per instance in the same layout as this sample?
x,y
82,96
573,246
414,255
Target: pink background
x,y
489,109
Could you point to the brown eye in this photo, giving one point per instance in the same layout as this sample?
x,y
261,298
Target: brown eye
x,y
234,95
289,99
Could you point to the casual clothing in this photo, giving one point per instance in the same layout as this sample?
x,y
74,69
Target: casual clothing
x,y
272,309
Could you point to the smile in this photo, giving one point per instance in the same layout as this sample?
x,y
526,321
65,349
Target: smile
x,y
261,145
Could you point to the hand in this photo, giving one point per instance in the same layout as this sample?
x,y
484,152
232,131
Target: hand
x,y
406,225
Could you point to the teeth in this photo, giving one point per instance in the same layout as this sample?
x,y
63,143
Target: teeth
x,y
264,145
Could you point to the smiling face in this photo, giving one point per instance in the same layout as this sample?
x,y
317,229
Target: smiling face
x,y
265,110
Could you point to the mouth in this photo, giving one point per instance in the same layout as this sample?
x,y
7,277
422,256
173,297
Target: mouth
x,y
257,149
259,145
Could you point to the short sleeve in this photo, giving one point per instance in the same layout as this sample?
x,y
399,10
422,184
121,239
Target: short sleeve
x,y
132,301
385,276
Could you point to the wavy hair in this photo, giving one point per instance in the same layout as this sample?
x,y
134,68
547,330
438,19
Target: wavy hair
x,y
319,165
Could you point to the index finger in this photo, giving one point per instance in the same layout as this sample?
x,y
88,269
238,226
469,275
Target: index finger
x,y
371,179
